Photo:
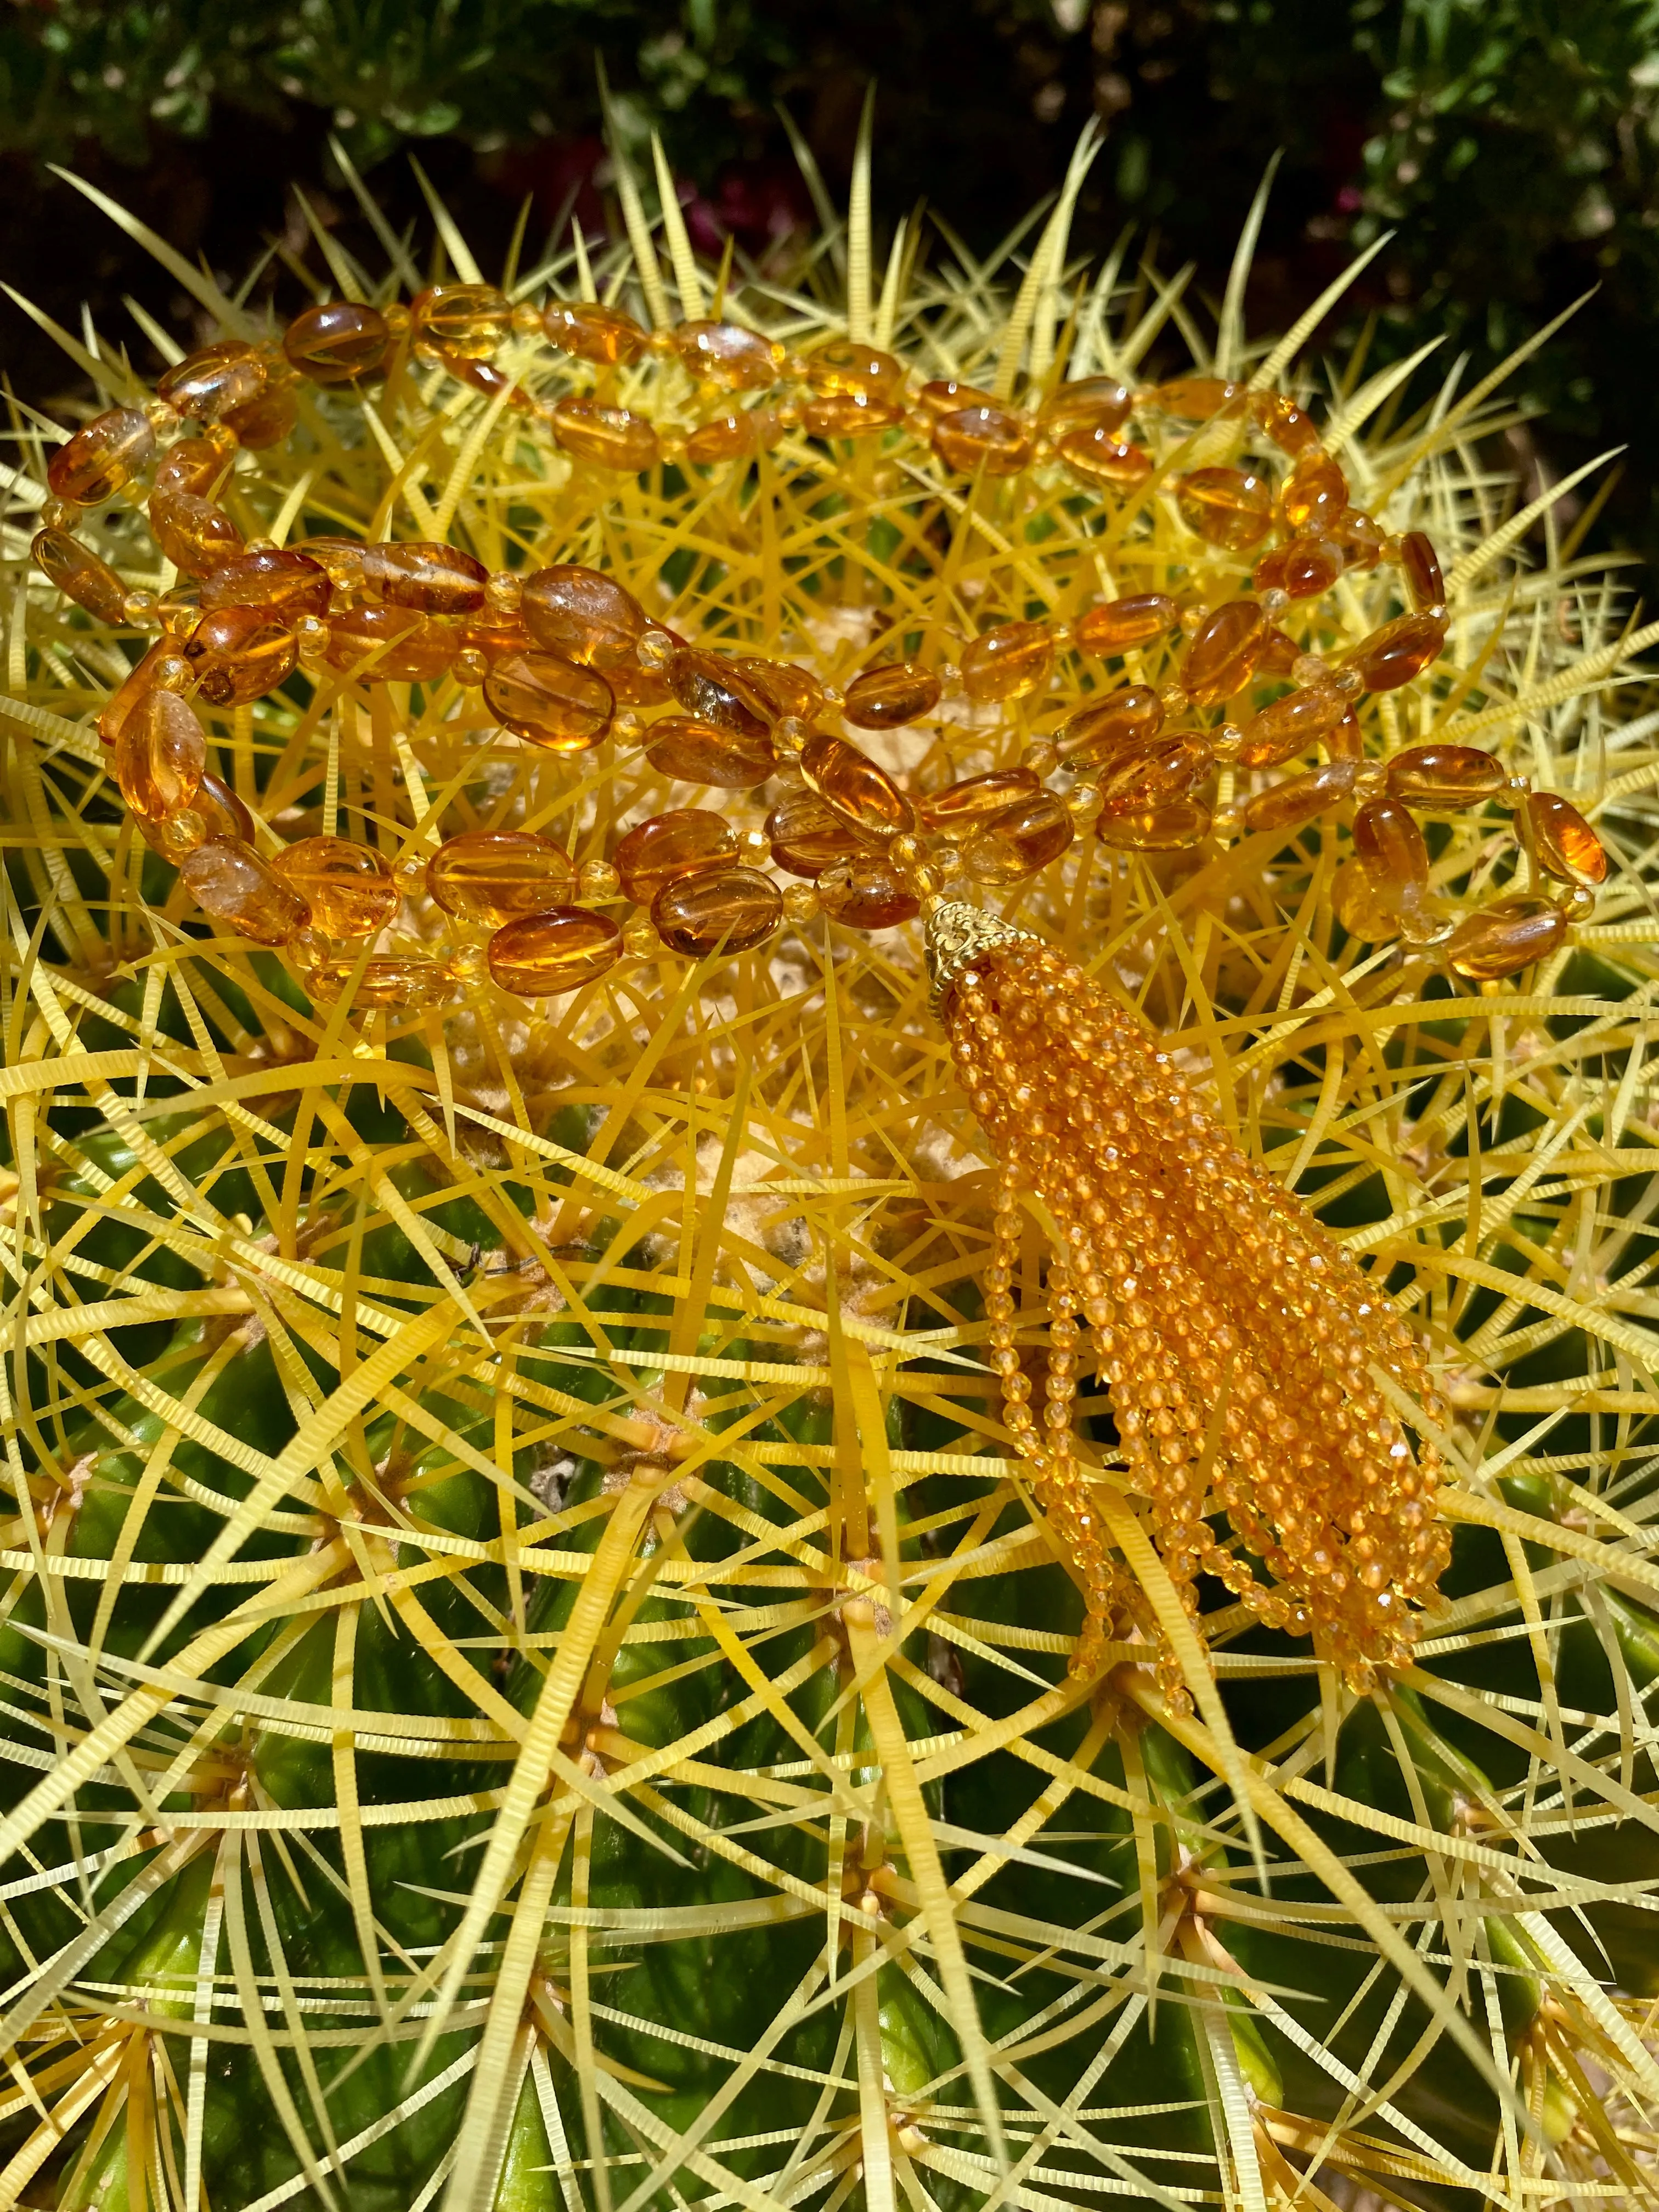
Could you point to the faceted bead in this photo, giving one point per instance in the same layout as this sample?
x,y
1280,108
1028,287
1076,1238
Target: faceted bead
x,y
228,880
1299,798
583,615
390,978
496,875
193,464
1195,398
1120,625
1008,662
1566,845
966,807
737,436
467,320
723,353
1390,844
1020,840
1423,580
102,455
849,415
592,333
1290,725
708,685
847,780
887,697
550,701
969,439
806,836
726,910
866,891
286,585
542,955
1314,494
264,420
433,580
392,644
1397,653
947,396
610,437
195,534
161,754
683,842
1283,421
79,573
862,371
1167,828
349,888
1223,653
1150,773
785,688
1097,454
1504,938
336,341
1356,537
701,752
1127,716
1226,507
1445,777
209,383
1092,403
1302,569
240,654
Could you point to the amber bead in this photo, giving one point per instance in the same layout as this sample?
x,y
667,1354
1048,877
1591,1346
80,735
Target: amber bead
x,y
1344,740
1100,457
866,891
787,687
1566,845
336,341
692,751
963,807
1120,625
347,887
1504,938
1092,402
137,685
806,836
604,335
1390,844
1008,662
725,353
161,754
1356,537
390,978
215,811
392,644
433,580
1020,840
1314,494
207,383
737,435
1299,798
103,455
1230,507
195,534
1150,774
988,438
1398,652
265,420
849,415
1167,828
495,635
710,687
583,615
1223,653
1423,580
1195,398
726,909
1127,716
844,367
1283,421
1366,907
885,698
682,842
79,573
1290,725
228,880
550,701
285,584
847,780
1279,653
948,396
496,875
193,464
610,437
1302,569
467,320
1444,777
542,955
240,654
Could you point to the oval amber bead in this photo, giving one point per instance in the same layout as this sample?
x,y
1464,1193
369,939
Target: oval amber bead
x,y
433,580
1366,909
1124,717
542,954
610,437
966,807
1299,798
496,875
160,755
949,396
467,320
1390,844
1020,840
1230,508
80,575
1167,828
392,644
1505,937
1357,538
737,436
1397,653
887,697
1122,625
1150,773
864,371
1195,398
336,341
1423,580
264,420
1445,777
1314,494
1092,402
550,701
866,892
495,635
1302,569
709,686
848,415
195,534
136,684
969,439
228,880
209,383
582,614
347,887
604,335
1565,845
806,836
787,687
191,465
727,910
1279,653
103,455
1290,725
701,752
1100,457
286,585
1225,649
1283,421
1008,662
390,978
682,842
849,780
240,654
724,353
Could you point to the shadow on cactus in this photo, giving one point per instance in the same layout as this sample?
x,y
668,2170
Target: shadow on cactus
x,y
537,1674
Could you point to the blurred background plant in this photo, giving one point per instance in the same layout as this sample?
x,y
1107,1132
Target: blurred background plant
x,y
1509,144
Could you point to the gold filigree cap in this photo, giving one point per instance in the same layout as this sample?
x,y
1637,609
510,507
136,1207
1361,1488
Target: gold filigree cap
x,y
956,935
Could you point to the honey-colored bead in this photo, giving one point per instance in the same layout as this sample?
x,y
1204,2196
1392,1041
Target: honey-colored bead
x,y
1145,776
887,697
1302,569
725,353
209,383
550,701
1225,649
1390,844
847,780
785,688
264,420
948,396
1167,828
866,891
1445,777
195,534
1120,625
392,644
1196,399
692,751
1099,456
1128,716
1563,843
966,807
1230,508
737,435
1008,662
806,836
863,372
583,615
1505,937
467,320
285,584
1344,740
1283,422
610,437
710,687
602,335
1423,580
494,636
801,902
1290,725
1365,906
387,979
1092,403
240,654
432,578
726,910
103,455
161,754
542,956
228,880
1357,537
80,575
685,841
193,464
849,415
496,875
988,439
1279,656
1397,653
137,685
597,880
1301,799
215,811
1021,839
336,341
1314,494
349,888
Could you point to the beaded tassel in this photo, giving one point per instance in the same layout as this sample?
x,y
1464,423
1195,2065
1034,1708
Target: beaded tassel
x,y
1236,1339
